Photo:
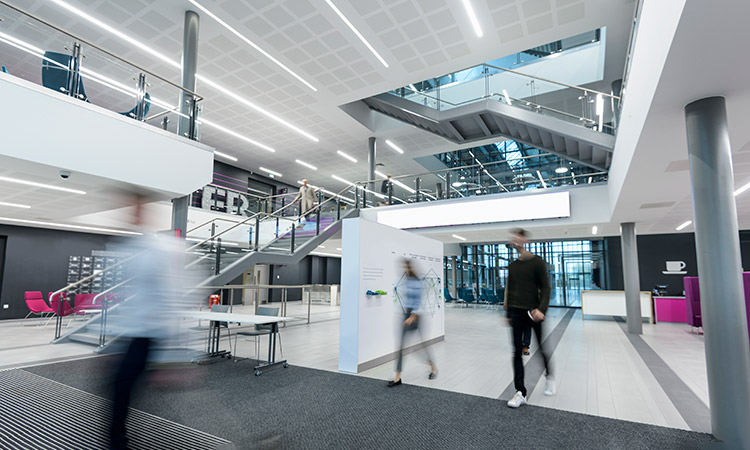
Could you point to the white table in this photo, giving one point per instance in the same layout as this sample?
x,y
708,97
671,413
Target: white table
x,y
214,334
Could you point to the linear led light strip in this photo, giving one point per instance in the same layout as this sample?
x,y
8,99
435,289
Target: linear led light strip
x,y
270,172
336,177
355,31
544,183
394,146
65,225
308,165
177,65
251,43
14,205
460,238
350,158
42,185
473,18
396,182
127,90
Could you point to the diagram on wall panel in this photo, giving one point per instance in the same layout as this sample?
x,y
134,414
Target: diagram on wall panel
x,y
432,292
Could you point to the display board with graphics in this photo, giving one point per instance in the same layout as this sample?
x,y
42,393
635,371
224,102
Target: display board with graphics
x,y
372,300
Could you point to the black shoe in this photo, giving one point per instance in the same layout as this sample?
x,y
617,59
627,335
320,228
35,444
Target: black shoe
x,y
432,375
526,351
394,383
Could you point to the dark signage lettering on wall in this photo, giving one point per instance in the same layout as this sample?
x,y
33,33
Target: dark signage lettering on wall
x,y
222,200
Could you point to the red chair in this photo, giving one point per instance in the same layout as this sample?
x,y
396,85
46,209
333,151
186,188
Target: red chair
x,y
36,304
54,302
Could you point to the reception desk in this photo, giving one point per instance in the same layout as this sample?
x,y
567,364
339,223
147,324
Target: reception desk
x,y
612,303
670,309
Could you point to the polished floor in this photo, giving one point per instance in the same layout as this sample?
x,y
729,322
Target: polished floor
x,y
658,378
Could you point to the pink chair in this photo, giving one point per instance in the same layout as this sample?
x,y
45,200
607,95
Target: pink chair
x,y
693,302
55,303
84,304
36,304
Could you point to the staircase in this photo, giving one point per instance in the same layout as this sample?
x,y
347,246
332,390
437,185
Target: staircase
x,y
288,244
573,128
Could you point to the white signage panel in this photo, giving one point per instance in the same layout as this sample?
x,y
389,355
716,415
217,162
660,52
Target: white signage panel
x,y
508,209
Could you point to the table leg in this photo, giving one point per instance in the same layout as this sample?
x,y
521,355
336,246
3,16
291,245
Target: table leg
x,y
271,352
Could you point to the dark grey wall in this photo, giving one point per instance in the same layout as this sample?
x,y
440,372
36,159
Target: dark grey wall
x,y
653,251
37,260
311,270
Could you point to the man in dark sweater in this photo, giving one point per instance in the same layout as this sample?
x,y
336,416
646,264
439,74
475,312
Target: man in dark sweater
x,y
528,292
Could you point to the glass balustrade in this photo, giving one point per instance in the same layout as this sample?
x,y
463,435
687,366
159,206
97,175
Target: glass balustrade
x,y
484,179
585,107
45,55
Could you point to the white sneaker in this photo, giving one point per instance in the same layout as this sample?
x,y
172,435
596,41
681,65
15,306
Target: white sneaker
x,y
550,388
517,400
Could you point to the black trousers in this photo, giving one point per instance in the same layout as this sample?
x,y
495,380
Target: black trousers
x,y
132,366
405,331
522,323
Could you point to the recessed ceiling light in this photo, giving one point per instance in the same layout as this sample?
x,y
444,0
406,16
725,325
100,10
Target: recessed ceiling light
x,y
177,65
338,248
117,33
270,172
252,105
460,238
224,155
41,185
539,174
346,156
14,205
507,97
305,164
237,135
394,146
684,225
473,18
561,169
742,189
65,225
594,229
336,177
251,43
359,35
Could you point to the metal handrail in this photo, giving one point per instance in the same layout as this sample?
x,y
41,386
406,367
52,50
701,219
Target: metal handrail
x,y
78,38
434,172
212,220
517,100
274,214
594,91
107,291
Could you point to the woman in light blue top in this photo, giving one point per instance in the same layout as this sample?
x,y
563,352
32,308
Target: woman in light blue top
x,y
412,292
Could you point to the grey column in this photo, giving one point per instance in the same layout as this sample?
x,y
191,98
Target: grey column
x,y
189,68
454,267
371,154
631,278
719,268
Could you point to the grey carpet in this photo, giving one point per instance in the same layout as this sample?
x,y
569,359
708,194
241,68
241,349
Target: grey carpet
x,y
298,408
